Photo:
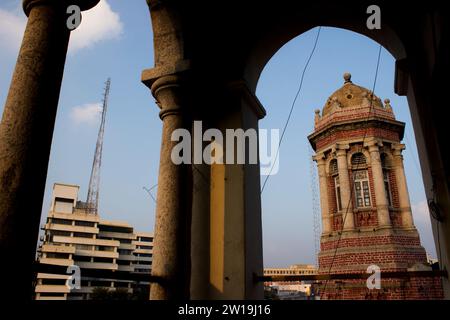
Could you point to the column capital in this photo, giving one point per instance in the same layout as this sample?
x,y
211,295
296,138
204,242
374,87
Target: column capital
x,y
166,91
397,149
27,5
340,149
165,83
149,76
373,145
319,158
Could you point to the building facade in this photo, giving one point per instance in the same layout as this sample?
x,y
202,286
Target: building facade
x,y
74,237
366,210
291,290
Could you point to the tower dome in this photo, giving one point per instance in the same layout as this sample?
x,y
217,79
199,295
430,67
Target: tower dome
x,y
350,96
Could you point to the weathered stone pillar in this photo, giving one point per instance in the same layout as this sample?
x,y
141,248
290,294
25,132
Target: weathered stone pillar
x,y
378,182
402,187
323,185
346,188
26,133
171,256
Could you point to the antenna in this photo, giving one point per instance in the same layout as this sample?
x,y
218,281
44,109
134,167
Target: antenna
x,y
94,182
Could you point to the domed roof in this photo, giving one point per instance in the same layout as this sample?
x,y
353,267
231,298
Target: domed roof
x,y
350,95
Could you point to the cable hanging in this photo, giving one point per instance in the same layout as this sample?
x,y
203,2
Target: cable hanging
x,y
292,107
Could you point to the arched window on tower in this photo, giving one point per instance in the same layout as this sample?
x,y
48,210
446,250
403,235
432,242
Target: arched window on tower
x,y
385,164
360,180
359,160
337,187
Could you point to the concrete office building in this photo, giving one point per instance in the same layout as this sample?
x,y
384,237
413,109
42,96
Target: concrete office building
x,y
72,236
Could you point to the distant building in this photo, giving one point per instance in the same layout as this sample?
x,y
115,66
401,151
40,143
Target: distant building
x,y
290,290
366,211
295,269
74,237
432,261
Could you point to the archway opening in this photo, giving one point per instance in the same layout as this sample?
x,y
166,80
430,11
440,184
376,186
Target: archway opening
x,y
291,198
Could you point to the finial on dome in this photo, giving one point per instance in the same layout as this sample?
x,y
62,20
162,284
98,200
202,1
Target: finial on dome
x,y
316,117
387,104
347,77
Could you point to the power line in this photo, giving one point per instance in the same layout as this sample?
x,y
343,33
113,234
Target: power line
x,y
202,175
411,154
149,191
292,107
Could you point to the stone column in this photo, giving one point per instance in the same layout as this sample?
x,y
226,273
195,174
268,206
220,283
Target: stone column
x,y
403,194
382,205
171,255
323,185
346,188
26,133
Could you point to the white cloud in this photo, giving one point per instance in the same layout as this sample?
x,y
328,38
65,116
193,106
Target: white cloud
x,y
12,26
98,24
87,113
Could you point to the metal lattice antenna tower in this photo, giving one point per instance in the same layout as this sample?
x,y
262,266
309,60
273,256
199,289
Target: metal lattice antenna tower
x,y
94,182
315,204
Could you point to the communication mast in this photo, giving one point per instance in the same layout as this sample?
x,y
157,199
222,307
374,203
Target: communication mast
x,y
94,182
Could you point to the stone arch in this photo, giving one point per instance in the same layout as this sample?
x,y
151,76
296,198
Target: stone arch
x,y
358,159
331,166
262,52
364,152
259,39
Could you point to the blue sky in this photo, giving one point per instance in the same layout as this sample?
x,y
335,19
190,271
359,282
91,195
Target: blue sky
x,y
115,40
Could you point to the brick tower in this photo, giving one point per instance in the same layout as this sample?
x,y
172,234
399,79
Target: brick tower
x,y
366,211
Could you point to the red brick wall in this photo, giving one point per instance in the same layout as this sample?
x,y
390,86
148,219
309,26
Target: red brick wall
x,y
414,288
357,133
400,240
337,222
396,218
367,218
367,258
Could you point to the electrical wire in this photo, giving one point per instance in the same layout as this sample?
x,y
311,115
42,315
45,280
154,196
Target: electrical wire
x,y
292,107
